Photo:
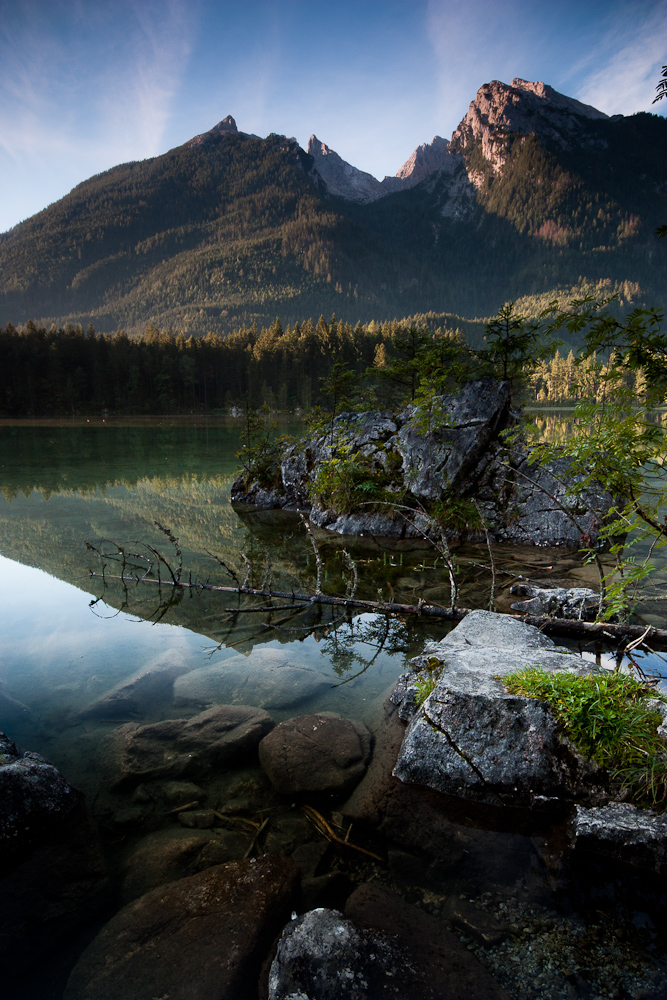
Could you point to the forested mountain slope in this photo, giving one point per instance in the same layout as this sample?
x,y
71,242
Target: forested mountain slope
x,y
535,192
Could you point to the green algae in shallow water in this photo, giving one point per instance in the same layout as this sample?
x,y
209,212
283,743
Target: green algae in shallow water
x,y
611,720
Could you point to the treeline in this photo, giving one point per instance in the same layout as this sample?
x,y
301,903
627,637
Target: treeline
x,y
568,379
68,371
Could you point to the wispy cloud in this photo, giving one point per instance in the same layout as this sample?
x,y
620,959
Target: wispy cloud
x,y
97,80
628,58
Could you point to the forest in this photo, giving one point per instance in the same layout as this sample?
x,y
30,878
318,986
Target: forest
x,y
69,371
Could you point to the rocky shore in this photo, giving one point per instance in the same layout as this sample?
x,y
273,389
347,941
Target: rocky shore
x,y
463,455
319,858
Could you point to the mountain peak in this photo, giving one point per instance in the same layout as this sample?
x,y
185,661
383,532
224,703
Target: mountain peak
x,y
340,177
547,93
425,160
523,107
226,127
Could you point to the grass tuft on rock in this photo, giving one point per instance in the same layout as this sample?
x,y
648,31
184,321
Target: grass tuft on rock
x,y
611,721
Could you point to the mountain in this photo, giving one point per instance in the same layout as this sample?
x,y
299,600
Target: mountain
x,y
533,193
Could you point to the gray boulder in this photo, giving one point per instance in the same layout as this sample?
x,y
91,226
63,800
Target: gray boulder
x,y
623,832
268,678
179,748
474,740
461,453
316,753
382,947
205,936
557,602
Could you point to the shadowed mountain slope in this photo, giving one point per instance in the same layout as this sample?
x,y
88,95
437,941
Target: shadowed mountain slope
x,y
534,191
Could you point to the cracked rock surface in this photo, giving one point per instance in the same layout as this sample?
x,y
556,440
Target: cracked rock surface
x,y
473,739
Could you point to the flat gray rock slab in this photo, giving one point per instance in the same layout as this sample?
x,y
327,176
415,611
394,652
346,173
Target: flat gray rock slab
x,y
316,753
623,832
268,678
474,740
179,748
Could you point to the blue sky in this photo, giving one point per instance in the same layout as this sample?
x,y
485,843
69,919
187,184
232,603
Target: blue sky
x,y
87,84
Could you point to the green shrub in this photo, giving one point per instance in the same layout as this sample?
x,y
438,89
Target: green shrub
x,y
610,720
350,480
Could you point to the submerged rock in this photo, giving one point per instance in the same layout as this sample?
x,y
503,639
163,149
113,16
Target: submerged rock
x,y
205,936
316,753
174,853
139,695
267,678
557,602
623,832
382,947
179,748
474,740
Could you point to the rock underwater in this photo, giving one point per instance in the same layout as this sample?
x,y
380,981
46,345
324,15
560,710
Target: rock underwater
x,y
462,455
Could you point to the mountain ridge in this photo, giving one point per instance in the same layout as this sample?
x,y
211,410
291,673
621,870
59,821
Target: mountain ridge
x,y
533,191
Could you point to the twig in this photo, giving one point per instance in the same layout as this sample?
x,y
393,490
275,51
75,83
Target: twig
x,y
174,541
320,824
255,839
492,598
224,565
318,557
352,566
637,642
248,571
180,809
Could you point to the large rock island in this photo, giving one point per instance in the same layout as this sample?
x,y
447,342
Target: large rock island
x,y
453,453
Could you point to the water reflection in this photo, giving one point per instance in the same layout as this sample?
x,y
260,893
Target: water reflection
x,y
68,639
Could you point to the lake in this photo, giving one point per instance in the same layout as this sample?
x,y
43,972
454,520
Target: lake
x,y
71,632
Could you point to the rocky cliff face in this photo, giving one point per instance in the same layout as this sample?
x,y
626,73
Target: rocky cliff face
x,y
341,178
500,111
426,160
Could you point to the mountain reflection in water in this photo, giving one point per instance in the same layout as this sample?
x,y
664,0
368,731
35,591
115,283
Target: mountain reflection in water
x,y
68,638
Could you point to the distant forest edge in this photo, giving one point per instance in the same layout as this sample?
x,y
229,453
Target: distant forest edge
x,y
67,371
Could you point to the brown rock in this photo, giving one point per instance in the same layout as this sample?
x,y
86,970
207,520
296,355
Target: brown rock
x,y
315,753
213,929
175,853
178,748
442,965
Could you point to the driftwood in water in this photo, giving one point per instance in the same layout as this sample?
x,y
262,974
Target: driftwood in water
x,y
564,627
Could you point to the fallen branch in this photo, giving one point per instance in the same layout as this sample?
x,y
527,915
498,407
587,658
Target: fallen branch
x,y
321,825
566,627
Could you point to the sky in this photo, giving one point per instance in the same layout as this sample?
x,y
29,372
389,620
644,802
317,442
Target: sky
x,y
88,84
